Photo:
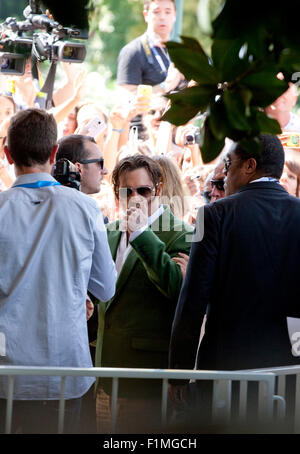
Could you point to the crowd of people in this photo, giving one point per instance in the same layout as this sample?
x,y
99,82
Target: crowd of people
x,y
122,243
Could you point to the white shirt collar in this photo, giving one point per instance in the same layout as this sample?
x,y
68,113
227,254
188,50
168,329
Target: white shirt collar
x,y
33,177
265,179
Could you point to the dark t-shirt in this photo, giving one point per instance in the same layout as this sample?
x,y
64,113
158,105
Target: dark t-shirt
x,y
134,67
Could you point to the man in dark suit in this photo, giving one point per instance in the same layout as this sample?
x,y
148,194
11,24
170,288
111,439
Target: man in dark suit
x,y
134,327
243,274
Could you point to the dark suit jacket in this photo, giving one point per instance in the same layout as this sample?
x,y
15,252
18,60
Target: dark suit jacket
x,y
135,325
245,273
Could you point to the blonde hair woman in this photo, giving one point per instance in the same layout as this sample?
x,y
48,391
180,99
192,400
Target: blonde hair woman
x,y
172,189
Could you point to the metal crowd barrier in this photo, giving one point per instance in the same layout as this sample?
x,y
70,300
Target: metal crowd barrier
x,y
280,388
222,386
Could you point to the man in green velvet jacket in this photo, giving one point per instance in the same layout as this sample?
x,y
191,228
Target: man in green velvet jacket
x,y
135,325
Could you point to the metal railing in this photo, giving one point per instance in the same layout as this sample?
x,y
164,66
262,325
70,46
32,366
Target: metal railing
x,y
222,387
281,373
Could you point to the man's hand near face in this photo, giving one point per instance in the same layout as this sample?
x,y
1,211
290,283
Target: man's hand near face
x,y
136,216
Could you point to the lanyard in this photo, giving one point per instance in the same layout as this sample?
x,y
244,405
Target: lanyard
x,y
158,57
38,184
160,60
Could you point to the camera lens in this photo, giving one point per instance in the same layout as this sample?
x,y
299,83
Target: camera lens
x,y
68,52
5,63
190,138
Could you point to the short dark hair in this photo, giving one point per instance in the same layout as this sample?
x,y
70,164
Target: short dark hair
x,y
72,147
147,4
31,136
270,159
137,161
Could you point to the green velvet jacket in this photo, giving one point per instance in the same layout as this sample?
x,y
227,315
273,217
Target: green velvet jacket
x,y
135,325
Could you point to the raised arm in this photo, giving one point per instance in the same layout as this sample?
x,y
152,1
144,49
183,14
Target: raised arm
x,y
103,276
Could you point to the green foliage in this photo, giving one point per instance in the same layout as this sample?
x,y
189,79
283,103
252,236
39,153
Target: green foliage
x,y
113,24
11,8
237,80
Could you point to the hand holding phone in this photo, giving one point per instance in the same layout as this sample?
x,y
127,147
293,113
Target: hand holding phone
x,y
144,92
94,127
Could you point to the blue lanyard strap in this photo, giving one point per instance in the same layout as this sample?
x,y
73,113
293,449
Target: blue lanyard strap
x,y
38,184
159,58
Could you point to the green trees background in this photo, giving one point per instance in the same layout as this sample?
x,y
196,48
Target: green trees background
x,y
11,8
113,23
234,64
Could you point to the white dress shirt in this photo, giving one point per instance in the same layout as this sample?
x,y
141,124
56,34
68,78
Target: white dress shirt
x,y
53,247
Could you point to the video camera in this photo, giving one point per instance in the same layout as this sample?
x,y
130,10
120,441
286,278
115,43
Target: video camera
x,y
66,173
193,137
20,40
48,44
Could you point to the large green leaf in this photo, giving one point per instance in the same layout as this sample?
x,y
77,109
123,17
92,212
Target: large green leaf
x,y
179,115
265,86
226,58
290,60
257,42
233,23
218,120
210,147
235,110
187,103
267,124
193,63
192,44
237,83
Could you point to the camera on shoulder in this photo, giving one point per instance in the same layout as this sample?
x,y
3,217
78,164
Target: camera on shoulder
x,y
66,173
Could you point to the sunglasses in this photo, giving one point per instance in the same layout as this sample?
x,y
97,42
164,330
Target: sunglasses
x,y
100,162
219,184
144,191
206,196
227,164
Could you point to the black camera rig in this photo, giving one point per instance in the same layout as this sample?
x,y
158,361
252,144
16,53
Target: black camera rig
x,y
66,173
39,38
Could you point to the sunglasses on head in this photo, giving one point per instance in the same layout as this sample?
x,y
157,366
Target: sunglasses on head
x,y
100,162
219,184
144,191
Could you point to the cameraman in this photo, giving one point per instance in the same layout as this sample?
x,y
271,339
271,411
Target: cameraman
x,y
56,250
85,154
83,151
